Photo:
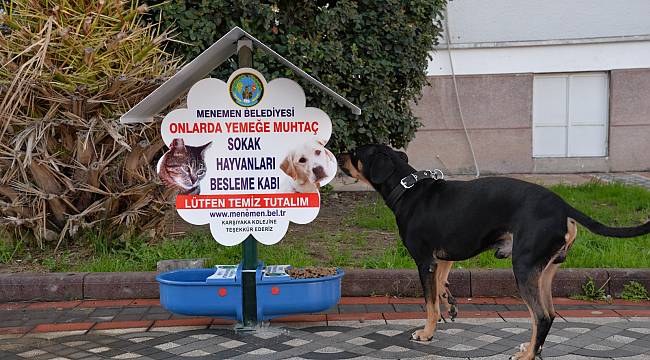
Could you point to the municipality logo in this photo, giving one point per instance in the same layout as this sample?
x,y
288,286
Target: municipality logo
x,y
246,90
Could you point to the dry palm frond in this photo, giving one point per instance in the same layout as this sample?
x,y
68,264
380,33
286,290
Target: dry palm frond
x,y
68,69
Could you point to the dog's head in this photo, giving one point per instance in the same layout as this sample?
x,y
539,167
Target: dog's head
x,y
311,163
372,164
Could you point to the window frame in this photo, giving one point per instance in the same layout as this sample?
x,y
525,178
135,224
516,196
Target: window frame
x,y
568,125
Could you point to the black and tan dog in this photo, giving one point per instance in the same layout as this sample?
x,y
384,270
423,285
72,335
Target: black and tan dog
x,y
445,221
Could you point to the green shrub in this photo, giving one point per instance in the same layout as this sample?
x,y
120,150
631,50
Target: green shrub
x,y
635,291
374,53
591,292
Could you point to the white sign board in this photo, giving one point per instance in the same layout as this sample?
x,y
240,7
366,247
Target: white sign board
x,y
247,157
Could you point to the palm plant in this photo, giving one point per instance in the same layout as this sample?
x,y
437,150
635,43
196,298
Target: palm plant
x,y
69,69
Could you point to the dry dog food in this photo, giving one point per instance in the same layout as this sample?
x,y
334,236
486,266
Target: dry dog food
x,y
311,272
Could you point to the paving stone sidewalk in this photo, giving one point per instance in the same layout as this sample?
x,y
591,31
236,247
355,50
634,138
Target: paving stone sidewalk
x,y
575,338
104,314
358,328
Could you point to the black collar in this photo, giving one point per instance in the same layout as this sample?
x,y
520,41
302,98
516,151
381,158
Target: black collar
x,y
409,181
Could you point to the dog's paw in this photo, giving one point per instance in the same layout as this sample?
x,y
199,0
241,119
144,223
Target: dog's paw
x,y
453,312
524,354
524,347
421,335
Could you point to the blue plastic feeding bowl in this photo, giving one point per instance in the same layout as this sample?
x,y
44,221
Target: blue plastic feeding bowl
x,y
188,292
218,293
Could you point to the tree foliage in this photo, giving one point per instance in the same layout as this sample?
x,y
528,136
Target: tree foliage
x,y
374,53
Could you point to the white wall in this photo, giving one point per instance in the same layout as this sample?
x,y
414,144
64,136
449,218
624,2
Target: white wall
x,y
542,59
479,21
544,36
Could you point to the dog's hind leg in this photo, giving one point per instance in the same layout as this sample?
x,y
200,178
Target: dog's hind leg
x,y
446,299
429,278
547,275
546,296
545,319
533,263
528,283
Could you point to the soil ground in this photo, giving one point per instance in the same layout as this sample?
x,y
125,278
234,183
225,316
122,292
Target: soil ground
x,y
334,216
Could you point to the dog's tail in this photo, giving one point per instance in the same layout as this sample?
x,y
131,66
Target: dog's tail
x,y
600,229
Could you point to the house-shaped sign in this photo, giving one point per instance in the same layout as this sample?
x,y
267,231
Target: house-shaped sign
x,y
247,156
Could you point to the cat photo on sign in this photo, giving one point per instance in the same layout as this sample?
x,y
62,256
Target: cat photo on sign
x,y
183,167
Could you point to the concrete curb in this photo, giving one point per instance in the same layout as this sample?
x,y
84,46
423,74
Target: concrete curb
x,y
356,282
41,287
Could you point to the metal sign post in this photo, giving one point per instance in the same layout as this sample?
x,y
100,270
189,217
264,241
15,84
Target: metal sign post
x,y
249,266
249,247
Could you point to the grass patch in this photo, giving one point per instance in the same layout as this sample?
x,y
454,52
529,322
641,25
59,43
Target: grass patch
x,y
142,256
394,257
9,250
375,216
611,204
138,255
367,238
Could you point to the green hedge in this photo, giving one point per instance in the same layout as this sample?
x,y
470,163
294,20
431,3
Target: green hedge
x,y
374,53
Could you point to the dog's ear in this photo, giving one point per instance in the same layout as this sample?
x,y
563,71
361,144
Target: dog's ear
x,y
288,168
402,155
381,167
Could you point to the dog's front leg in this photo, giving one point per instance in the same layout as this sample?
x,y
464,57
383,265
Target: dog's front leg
x,y
447,300
428,279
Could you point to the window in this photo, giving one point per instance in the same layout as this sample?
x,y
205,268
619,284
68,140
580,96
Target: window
x,y
570,115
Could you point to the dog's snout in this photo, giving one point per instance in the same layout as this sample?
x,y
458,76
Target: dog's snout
x,y
341,159
319,172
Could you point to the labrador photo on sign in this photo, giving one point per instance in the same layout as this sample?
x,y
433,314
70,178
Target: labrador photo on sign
x,y
308,167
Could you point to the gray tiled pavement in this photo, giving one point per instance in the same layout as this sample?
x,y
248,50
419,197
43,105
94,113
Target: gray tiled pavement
x,y
489,339
625,178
